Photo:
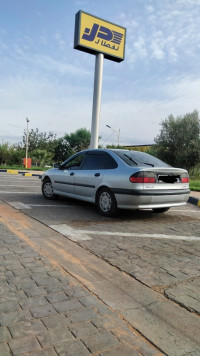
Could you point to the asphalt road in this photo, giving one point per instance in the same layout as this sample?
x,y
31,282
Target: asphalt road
x,y
153,257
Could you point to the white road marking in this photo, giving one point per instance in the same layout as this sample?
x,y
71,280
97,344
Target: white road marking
x,y
18,205
187,211
74,206
30,193
20,179
78,235
53,205
131,234
72,234
18,186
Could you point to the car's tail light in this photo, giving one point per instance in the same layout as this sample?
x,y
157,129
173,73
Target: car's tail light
x,y
185,180
143,177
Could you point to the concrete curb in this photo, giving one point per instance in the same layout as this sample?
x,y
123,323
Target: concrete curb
x,y
31,175
195,201
23,173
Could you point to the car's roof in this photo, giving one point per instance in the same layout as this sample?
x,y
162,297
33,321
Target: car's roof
x,y
106,150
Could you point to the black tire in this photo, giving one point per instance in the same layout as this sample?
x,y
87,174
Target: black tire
x,y
160,210
106,202
47,190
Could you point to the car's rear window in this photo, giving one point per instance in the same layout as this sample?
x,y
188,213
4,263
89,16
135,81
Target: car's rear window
x,y
137,158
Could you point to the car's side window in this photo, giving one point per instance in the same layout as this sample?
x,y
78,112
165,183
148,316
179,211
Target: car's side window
x,y
74,163
99,161
93,161
109,162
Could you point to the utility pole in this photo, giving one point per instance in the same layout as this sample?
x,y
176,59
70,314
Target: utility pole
x,y
27,120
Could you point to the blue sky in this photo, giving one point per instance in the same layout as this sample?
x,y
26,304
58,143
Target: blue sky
x,y
44,78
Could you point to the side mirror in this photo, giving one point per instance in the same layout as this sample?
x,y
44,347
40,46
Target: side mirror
x,y
56,165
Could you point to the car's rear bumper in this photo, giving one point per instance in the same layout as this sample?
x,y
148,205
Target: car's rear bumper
x,y
148,199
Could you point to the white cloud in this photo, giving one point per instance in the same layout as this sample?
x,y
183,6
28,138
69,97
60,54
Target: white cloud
x,y
150,8
50,106
170,31
44,61
51,64
60,42
64,109
50,82
139,120
157,51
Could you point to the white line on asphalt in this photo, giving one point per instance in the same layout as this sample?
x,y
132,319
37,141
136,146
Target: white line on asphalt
x,y
17,186
18,178
77,235
18,205
130,234
72,234
53,205
4,192
187,211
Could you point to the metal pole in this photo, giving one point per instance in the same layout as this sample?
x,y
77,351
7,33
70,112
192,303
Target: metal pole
x,y
118,136
96,100
117,132
27,120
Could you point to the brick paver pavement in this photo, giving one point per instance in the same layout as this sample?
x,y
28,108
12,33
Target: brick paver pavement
x,y
46,312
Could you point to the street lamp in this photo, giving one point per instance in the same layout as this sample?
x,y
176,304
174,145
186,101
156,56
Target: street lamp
x,y
117,132
27,120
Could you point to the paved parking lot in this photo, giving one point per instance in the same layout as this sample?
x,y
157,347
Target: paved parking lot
x,y
156,254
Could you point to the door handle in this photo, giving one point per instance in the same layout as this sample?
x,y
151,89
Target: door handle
x,y
97,174
72,174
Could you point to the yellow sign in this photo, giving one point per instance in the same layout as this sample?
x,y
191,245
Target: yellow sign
x,y
94,35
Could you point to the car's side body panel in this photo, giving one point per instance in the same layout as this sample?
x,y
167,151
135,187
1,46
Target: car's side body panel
x,y
166,190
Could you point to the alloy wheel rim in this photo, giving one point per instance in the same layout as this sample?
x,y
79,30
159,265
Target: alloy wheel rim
x,y
105,201
48,189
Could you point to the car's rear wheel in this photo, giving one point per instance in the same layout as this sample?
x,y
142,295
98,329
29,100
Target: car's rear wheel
x,y
160,210
106,202
47,190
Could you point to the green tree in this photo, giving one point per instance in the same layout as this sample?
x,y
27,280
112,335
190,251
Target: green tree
x,y
40,140
11,154
62,150
71,143
116,147
4,154
42,157
17,153
78,140
179,140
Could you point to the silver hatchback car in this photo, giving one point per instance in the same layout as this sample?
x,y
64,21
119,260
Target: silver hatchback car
x,y
118,179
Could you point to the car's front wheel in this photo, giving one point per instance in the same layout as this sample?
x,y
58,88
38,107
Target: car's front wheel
x,y
47,190
106,202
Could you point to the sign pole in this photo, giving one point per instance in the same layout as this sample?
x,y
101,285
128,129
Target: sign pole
x,y
96,100
103,39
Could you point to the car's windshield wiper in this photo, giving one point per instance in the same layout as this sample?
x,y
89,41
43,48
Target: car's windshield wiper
x,y
148,164
131,159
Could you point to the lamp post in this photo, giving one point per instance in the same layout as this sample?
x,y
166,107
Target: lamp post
x,y
117,132
27,120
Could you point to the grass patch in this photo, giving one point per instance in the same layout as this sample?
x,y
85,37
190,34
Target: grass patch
x,y
195,184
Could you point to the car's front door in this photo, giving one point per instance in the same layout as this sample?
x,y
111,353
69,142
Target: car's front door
x,y
89,176
64,178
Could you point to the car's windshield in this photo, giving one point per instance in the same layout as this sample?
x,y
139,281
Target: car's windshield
x,y
137,158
